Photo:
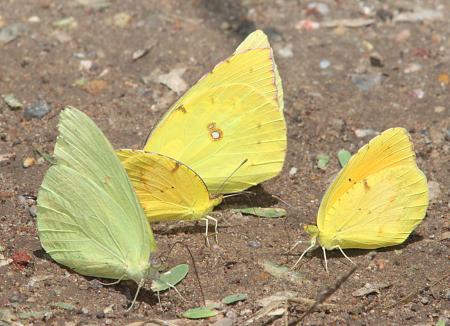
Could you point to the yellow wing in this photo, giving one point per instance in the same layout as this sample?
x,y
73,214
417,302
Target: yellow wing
x,y
167,189
230,116
258,40
377,199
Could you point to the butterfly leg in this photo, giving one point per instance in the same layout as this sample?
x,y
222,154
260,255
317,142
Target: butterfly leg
x,y
206,230
325,257
342,251
295,245
304,252
215,227
141,283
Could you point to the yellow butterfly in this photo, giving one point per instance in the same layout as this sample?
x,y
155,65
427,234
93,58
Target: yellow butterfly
x,y
167,189
376,200
232,114
229,128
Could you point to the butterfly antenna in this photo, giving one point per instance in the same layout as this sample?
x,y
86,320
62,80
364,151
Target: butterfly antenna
x,y
240,193
229,177
193,264
141,283
173,287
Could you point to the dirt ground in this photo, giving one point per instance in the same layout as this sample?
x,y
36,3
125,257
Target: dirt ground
x,y
342,84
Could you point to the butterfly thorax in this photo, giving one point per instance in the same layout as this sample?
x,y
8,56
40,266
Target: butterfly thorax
x,y
207,207
326,240
141,272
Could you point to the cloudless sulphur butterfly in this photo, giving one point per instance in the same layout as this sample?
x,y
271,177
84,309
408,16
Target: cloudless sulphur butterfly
x,y
233,114
89,218
376,200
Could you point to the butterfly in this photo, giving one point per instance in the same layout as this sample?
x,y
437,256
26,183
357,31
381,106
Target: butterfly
x,y
167,189
225,134
89,218
375,201
231,115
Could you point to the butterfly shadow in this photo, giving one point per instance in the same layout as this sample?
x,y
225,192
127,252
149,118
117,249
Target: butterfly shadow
x,y
255,196
127,288
332,254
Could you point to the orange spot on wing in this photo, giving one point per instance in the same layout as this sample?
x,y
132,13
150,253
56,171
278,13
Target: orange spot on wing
x,y
366,185
175,168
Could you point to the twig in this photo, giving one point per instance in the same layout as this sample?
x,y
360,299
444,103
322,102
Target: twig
x,y
324,295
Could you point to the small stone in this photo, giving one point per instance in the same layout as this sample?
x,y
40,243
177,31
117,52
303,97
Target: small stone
x,y
86,65
231,314
33,211
361,133
365,82
424,300
415,307
293,171
122,19
36,110
28,161
418,93
34,19
376,60
434,190
174,80
286,52
12,102
324,64
223,322
412,67
317,8
254,244
447,294
225,25
100,315
84,311
95,87
445,236
109,309
439,109
11,32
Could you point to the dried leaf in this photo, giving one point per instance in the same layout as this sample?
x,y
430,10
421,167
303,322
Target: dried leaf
x,y
369,289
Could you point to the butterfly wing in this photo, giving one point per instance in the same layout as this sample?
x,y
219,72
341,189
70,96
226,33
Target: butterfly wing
x,y
392,148
89,218
166,188
230,116
378,198
259,40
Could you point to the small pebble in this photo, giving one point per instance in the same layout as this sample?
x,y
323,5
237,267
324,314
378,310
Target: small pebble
x,y
439,109
100,315
361,133
293,171
223,322
84,311
412,67
33,211
254,244
286,52
415,307
447,294
425,300
28,161
36,110
324,64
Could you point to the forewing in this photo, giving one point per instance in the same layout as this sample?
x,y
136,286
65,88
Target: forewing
x,y
88,215
230,116
258,40
166,188
390,149
380,210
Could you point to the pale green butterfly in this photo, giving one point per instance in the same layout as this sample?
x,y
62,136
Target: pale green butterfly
x,y
89,218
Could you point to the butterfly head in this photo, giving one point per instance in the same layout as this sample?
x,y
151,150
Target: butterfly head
x,y
313,232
